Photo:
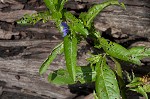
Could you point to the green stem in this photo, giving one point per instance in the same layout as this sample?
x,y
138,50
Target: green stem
x,y
121,83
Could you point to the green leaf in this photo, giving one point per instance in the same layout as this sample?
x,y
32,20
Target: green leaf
x,y
70,49
79,27
75,24
94,58
96,9
95,96
51,5
55,7
26,20
34,18
60,77
146,87
57,16
134,84
57,50
140,52
118,68
140,85
121,83
117,51
61,4
82,16
85,74
106,82
140,90
136,81
70,17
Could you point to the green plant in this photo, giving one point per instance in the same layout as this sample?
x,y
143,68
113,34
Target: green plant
x,y
109,83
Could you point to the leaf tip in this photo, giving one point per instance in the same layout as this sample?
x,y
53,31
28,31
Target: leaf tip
x,y
123,5
41,71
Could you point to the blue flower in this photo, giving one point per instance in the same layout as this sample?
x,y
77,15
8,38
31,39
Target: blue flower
x,y
64,28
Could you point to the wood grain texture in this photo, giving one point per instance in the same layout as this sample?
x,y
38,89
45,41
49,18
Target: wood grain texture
x,y
24,48
21,70
134,20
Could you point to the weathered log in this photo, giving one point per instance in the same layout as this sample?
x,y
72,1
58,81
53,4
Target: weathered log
x,y
24,48
21,70
14,15
134,20
20,62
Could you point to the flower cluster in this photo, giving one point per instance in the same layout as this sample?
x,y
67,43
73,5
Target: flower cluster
x,y
64,28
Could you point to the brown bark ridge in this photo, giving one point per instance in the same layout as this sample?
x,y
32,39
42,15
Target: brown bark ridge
x,y
24,48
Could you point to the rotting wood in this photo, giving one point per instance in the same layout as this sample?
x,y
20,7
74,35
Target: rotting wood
x,y
14,15
24,48
22,70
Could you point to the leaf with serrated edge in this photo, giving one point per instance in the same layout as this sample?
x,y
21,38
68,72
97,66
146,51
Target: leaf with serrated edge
x,y
57,50
106,82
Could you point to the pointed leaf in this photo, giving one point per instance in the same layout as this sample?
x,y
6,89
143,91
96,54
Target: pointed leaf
x,y
85,74
136,81
60,77
82,16
57,50
95,96
121,83
118,68
79,27
51,5
56,16
146,87
106,82
140,52
61,4
140,90
117,51
96,9
75,24
134,84
70,50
